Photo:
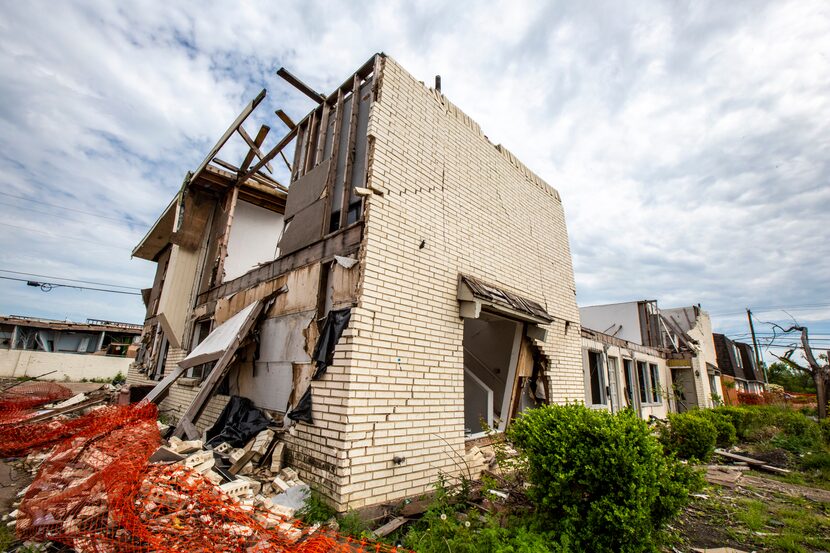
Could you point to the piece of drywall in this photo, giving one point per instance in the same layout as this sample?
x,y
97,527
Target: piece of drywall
x,y
253,239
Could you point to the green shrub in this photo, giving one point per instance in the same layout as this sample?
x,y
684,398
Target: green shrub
x,y
737,416
600,482
315,509
824,427
439,532
689,436
352,525
726,432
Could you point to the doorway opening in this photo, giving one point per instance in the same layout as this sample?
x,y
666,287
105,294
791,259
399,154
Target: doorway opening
x,y
502,373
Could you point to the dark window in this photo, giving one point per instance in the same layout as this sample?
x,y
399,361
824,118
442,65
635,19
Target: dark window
x,y
628,369
642,378
595,368
655,383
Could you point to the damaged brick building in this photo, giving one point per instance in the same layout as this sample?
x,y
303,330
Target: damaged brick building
x,y
412,281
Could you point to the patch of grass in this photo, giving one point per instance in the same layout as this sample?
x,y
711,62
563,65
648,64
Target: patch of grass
x,y
753,514
7,537
775,522
352,525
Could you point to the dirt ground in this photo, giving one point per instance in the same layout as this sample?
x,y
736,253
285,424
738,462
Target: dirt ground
x,y
756,513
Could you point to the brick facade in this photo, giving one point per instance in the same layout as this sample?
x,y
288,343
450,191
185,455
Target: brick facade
x,y
476,210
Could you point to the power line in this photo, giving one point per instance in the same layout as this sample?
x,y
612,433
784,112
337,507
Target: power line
x,y
70,279
768,309
105,244
61,207
57,215
48,286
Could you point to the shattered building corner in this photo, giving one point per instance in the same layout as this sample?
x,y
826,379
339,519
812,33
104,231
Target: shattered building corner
x,y
409,282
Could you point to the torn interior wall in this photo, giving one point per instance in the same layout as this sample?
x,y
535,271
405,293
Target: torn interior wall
x,y
402,214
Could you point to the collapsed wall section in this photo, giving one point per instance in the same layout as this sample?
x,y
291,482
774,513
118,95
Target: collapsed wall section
x,y
446,201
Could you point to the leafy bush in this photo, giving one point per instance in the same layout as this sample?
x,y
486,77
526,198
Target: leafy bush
x,y
315,509
824,427
352,525
726,432
689,436
600,482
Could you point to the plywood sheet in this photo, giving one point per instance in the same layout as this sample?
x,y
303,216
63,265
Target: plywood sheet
x,y
219,340
344,284
307,189
303,285
304,229
231,305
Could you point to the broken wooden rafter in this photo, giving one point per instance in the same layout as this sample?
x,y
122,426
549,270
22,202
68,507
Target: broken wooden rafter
x,y
258,177
301,86
228,133
285,119
270,155
254,145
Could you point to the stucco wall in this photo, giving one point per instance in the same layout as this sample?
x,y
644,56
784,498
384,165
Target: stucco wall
x,y
603,317
71,366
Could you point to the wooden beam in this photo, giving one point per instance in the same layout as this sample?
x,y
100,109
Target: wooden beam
x,y
270,155
301,86
227,134
335,153
347,174
285,119
158,393
255,145
211,383
341,243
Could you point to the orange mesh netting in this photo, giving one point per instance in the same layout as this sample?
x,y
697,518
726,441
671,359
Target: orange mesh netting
x,y
97,491
16,401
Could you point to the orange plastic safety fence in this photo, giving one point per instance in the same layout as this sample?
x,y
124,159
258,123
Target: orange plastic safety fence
x,y
97,491
16,401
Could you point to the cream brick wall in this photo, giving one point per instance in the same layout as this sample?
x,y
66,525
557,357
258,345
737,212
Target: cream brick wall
x,y
397,389
181,395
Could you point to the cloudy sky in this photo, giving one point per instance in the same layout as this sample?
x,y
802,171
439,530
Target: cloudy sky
x,y
689,140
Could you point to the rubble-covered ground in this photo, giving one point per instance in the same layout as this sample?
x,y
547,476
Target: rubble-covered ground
x,y
757,512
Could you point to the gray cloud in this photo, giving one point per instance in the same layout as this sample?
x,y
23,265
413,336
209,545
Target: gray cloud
x,y
689,140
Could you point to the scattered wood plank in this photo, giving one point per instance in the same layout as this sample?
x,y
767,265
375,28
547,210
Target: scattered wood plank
x,y
70,409
211,383
416,507
749,460
390,527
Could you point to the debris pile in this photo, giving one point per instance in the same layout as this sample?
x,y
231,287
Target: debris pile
x,y
105,483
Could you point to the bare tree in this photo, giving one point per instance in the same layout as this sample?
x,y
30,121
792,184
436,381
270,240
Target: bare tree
x,y
818,371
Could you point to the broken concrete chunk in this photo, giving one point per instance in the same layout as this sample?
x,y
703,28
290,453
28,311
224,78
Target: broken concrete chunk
x,y
236,454
198,458
185,447
237,488
214,477
277,457
261,443
288,474
281,484
224,447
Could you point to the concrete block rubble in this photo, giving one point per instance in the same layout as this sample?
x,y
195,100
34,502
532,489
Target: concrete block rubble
x,y
104,481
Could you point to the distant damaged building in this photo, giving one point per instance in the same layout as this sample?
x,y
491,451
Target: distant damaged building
x,y
410,287
651,359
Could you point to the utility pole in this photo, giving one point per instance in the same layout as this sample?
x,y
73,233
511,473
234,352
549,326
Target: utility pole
x,y
755,346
